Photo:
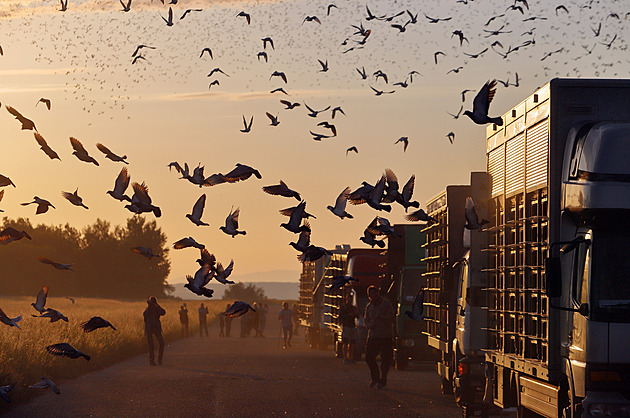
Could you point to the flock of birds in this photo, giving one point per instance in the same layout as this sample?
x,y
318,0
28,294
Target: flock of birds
x,y
144,67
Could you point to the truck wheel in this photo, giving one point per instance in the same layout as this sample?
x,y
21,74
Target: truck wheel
x,y
446,387
402,360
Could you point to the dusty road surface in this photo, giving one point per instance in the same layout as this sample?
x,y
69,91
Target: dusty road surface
x,y
213,376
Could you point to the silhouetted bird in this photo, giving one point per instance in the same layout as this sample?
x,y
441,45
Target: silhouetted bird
x,y
95,323
66,350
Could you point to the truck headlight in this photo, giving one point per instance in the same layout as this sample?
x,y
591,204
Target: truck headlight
x,y
409,343
609,410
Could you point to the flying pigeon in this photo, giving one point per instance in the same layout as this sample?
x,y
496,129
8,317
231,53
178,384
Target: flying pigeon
x,y
197,284
481,104
231,224
95,323
197,211
237,309
145,251
187,242
221,274
74,198
281,190
120,186
45,147
46,383
66,350
340,205
12,322
80,152
10,234
27,124
40,302
42,205
109,154
339,282
417,307
58,266
53,314
472,220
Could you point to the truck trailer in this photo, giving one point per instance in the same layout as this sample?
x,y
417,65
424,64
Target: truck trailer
x,y
558,292
454,284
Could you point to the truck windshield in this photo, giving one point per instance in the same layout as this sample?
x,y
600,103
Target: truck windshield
x,y
611,270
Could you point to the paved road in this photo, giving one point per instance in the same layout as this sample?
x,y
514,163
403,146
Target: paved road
x,y
243,377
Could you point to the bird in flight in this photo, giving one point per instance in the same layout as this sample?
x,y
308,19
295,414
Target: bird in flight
x,y
80,152
451,137
324,66
311,19
189,11
404,140
231,224
5,181
197,211
339,209
139,47
169,21
111,155
145,251
58,266
66,350
44,147
247,128
125,7
95,323
208,50
435,56
237,309
289,105
281,190
279,74
417,307
27,124
274,119
216,70
245,15
74,198
267,40
312,112
437,20
481,105
44,101
12,322
46,383
120,186
11,234
187,242
353,149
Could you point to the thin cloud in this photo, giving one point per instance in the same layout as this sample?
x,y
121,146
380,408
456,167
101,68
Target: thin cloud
x,y
256,95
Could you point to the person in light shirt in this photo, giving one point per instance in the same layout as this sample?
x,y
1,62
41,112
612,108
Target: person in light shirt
x,y
286,316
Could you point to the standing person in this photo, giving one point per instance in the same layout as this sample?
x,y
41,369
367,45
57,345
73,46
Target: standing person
x,y
228,324
348,315
222,319
379,320
296,323
264,309
203,325
183,319
286,316
256,319
153,326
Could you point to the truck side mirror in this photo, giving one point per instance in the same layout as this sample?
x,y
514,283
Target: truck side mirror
x,y
553,274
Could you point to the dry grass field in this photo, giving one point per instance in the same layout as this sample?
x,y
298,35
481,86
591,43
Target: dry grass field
x,y
24,359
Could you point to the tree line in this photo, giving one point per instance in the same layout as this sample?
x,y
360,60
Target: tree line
x,y
104,265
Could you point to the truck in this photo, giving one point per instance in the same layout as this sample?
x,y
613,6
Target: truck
x,y
405,267
454,297
315,278
368,266
559,275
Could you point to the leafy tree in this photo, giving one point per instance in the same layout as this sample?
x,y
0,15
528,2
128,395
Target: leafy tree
x,y
247,293
104,265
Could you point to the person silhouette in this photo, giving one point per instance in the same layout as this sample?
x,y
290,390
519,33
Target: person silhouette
x,y
153,326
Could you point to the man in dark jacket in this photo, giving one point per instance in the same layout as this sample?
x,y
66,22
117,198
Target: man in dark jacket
x,y
379,320
153,326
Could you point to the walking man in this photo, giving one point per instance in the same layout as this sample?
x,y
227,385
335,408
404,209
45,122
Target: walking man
x,y
379,320
348,315
183,319
203,325
285,317
153,326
